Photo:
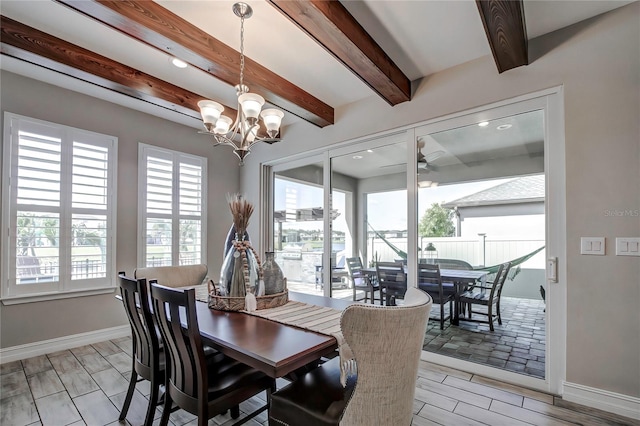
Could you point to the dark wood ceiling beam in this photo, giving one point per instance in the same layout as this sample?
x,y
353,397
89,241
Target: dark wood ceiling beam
x,y
31,45
156,26
504,24
333,27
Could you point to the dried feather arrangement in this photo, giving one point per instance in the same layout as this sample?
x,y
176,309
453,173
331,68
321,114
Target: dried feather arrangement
x,y
241,211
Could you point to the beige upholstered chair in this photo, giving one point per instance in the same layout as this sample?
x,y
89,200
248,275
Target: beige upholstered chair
x,y
386,342
174,276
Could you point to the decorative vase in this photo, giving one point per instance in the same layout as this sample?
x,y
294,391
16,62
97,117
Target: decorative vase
x,y
273,277
240,272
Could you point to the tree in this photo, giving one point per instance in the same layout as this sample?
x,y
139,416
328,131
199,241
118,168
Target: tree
x,y
437,222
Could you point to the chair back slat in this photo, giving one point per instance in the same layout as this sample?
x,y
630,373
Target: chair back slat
x,y
498,283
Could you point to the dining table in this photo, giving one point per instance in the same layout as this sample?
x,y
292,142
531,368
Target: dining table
x,y
461,278
272,347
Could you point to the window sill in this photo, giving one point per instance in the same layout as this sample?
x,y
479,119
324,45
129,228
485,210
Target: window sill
x,y
43,297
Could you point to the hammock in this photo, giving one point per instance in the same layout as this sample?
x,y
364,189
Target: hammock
x,y
515,263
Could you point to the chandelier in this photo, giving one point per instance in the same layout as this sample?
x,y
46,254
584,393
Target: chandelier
x,y
242,134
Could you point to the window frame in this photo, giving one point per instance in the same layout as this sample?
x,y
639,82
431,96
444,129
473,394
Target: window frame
x,y
177,158
11,292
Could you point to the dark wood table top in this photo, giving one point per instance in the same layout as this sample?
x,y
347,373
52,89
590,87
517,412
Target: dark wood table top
x,y
273,348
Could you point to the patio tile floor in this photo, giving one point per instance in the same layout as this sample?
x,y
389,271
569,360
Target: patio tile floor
x,y
517,345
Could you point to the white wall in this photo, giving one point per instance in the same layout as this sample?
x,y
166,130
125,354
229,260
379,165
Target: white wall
x,y
598,62
34,322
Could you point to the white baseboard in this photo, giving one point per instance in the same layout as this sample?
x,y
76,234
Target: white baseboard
x,y
29,350
612,402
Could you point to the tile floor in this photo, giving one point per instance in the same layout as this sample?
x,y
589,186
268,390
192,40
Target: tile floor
x,y
86,386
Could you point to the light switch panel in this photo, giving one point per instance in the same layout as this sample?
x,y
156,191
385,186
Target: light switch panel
x,y
592,245
627,246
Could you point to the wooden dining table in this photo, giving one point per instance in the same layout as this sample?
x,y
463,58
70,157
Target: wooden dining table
x,y
274,348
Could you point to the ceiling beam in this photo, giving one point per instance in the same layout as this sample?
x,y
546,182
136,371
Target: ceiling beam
x,y
334,28
158,27
34,46
504,25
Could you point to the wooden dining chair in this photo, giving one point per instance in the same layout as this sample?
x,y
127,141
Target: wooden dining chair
x,y
148,352
392,280
387,359
361,281
200,386
430,281
487,295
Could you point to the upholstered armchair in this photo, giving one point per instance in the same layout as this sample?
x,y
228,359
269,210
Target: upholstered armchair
x,y
174,276
386,342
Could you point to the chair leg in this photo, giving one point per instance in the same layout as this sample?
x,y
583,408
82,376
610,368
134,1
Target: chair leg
x,y
166,408
235,412
127,400
153,400
441,316
490,314
498,309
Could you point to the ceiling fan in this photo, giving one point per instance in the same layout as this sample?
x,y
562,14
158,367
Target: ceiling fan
x,y
425,162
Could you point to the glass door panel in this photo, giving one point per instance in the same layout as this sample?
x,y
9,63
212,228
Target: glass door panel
x,y
298,228
481,202
369,197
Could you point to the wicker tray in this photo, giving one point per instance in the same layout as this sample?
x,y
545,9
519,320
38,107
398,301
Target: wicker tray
x,y
224,303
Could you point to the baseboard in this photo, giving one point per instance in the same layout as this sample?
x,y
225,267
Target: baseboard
x,y
624,405
29,350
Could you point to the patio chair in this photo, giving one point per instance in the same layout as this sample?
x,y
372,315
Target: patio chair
x,y
487,295
387,358
392,281
430,281
361,281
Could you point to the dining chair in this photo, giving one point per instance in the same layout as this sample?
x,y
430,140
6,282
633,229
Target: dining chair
x,y
200,386
487,295
430,281
361,281
387,358
148,352
392,280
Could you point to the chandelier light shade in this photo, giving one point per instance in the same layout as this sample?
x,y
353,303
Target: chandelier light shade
x,y
242,133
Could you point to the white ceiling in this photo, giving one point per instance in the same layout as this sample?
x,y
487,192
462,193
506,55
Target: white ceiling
x,y
422,37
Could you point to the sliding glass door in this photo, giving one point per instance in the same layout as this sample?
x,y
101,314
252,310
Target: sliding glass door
x,y
469,192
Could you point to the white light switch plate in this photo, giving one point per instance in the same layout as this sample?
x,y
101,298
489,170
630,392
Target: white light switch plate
x,y
627,246
592,245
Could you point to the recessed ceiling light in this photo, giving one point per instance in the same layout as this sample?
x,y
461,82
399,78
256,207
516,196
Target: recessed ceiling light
x,y
179,63
483,123
504,127
357,157
369,150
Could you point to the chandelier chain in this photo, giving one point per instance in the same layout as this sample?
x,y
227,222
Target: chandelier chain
x,y
241,50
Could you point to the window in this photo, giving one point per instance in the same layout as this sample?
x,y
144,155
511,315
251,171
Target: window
x,y
172,188
59,193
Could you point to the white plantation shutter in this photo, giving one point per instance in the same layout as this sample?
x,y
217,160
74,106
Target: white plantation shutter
x,y
59,208
172,185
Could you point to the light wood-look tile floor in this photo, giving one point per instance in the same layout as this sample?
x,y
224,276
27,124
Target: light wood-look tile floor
x,y
87,385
